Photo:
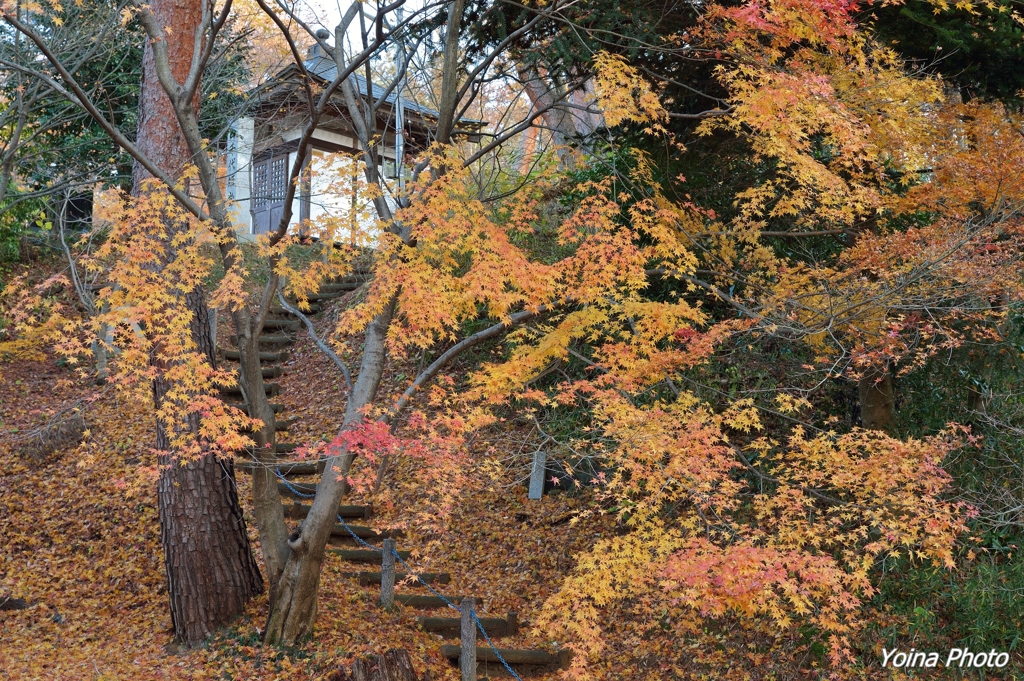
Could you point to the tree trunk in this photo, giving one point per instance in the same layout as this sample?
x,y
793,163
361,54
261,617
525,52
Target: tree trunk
x,y
394,665
877,400
211,571
293,604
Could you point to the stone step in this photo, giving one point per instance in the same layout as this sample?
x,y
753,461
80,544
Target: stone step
x,y
299,511
233,356
270,389
528,656
373,578
285,447
364,556
269,340
274,407
496,627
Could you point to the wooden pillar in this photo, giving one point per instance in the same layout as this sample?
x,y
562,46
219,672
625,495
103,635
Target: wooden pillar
x,y
387,576
467,658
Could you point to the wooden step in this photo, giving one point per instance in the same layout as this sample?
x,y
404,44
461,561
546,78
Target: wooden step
x,y
295,468
372,578
281,312
299,511
280,339
364,556
342,286
268,372
319,297
271,357
529,656
363,532
282,424
244,406
420,601
289,324
495,627
296,490
270,389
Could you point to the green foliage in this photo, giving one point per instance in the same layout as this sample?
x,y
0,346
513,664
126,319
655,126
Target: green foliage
x,y
981,51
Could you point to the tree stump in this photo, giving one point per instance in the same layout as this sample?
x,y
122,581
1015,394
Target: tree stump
x,y
394,665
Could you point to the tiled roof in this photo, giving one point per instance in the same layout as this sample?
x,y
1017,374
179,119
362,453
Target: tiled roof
x,y
324,67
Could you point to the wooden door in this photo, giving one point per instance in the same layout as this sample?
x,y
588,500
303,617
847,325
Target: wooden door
x,y
269,182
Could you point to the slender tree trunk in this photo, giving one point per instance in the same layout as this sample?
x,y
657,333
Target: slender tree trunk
x,y
211,571
877,400
293,601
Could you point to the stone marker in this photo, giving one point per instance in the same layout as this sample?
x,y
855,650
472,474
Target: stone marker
x,y
540,462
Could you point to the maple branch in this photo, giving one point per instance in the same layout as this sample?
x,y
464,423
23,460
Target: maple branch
x,y
480,336
431,371
316,339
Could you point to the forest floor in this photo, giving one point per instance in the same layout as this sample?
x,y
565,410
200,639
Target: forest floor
x,y
80,542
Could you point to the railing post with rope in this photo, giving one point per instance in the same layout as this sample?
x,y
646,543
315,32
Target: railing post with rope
x,y
467,660
467,609
387,575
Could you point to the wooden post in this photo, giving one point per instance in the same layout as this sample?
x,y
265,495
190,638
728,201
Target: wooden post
x,y
387,575
467,658
540,463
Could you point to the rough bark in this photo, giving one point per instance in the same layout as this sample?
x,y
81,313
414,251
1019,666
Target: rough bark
x,y
394,665
877,400
211,571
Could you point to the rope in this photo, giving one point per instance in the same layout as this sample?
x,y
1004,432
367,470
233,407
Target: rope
x,y
361,541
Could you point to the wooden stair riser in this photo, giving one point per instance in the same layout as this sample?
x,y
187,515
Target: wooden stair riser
x,y
486,654
363,532
426,602
495,627
244,406
373,578
278,324
299,511
281,425
364,556
281,313
268,357
269,389
268,341
268,372
344,286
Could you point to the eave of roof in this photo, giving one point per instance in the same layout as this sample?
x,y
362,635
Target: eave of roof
x,y
324,68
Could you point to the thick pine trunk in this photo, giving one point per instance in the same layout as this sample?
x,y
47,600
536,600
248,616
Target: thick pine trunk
x,y
211,571
877,400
